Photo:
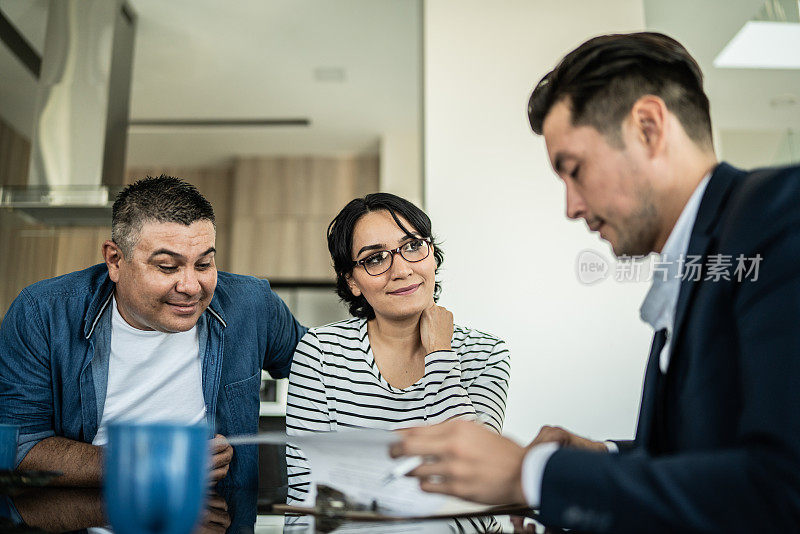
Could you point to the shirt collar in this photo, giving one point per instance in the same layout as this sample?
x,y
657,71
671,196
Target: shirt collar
x,y
658,308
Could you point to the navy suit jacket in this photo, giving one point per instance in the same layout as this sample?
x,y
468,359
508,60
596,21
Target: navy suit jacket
x,y
726,455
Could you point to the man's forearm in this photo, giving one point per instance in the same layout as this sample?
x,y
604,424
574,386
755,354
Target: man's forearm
x,y
60,509
79,462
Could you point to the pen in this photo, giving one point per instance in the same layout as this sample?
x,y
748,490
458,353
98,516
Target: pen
x,y
402,469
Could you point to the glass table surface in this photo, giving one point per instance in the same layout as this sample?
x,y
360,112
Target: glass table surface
x,y
54,509
233,510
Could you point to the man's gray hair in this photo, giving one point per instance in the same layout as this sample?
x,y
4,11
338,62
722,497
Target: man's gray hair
x,y
161,199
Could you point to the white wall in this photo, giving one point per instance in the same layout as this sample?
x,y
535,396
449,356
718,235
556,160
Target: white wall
x,y
578,351
401,144
749,149
400,164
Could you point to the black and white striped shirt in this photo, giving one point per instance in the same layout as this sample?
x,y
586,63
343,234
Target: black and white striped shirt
x,y
335,384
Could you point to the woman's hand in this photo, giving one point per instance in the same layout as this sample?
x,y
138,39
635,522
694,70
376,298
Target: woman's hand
x,y
436,328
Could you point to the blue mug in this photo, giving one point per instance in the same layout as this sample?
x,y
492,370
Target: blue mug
x,y
8,447
156,477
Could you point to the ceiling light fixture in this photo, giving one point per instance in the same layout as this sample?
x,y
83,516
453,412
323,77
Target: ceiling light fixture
x,y
330,74
769,41
762,45
216,123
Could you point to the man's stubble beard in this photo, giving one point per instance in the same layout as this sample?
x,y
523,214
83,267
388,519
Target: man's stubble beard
x,y
638,232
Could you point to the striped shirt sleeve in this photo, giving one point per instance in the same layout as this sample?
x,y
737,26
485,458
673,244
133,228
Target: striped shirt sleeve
x,y
489,390
470,381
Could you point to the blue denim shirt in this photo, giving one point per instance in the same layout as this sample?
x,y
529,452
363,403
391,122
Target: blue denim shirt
x,y
55,343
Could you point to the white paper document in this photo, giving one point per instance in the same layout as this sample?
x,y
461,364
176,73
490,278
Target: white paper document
x,y
357,463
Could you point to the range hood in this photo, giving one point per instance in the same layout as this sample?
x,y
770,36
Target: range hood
x,y
75,205
79,137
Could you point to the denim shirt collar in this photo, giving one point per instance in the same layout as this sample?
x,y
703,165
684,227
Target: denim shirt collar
x,y
99,303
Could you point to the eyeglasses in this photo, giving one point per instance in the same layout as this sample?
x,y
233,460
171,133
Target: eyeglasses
x,y
378,263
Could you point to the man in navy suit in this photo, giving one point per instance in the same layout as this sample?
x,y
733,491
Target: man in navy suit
x,y
717,446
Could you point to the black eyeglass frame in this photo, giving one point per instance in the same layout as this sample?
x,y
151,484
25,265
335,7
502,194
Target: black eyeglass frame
x,y
392,252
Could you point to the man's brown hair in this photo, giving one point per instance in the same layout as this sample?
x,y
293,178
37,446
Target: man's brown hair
x,y
606,75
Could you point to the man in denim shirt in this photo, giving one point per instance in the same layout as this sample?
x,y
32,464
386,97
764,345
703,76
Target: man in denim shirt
x,y
154,334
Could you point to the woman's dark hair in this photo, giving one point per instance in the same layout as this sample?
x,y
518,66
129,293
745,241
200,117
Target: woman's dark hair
x,y
340,242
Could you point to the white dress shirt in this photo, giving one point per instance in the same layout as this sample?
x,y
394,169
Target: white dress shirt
x,y
659,306
658,310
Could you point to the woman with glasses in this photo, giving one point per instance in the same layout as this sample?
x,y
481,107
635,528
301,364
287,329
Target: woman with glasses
x,y
400,361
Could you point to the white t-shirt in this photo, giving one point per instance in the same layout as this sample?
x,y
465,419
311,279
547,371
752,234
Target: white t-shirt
x,y
152,377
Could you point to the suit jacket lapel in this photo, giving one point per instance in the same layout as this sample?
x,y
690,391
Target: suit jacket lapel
x,y
709,214
649,393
